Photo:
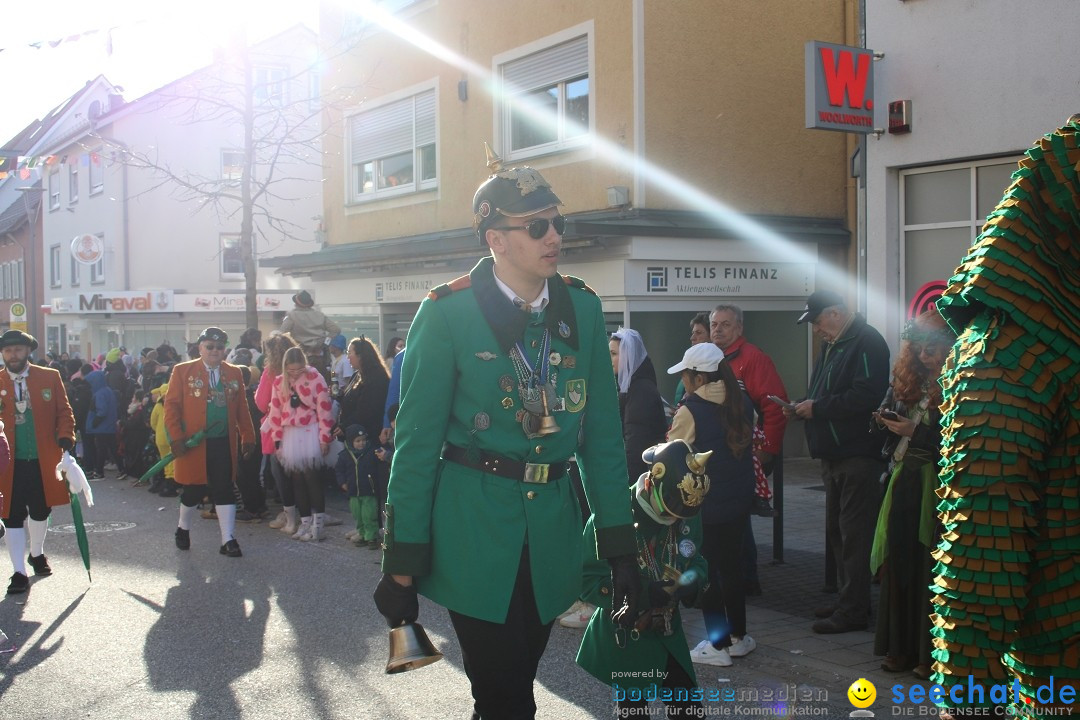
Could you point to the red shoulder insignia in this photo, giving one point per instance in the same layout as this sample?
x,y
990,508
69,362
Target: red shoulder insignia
x,y
461,283
578,283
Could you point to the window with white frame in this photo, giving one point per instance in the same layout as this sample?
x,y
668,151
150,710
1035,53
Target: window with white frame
x,y
54,266
96,173
20,280
943,208
5,282
268,84
73,182
54,190
74,272
232,264
232,166
546,99
97,270
392,148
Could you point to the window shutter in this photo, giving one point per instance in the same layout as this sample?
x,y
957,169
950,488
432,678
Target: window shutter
x,y
425,118
387,130
550,65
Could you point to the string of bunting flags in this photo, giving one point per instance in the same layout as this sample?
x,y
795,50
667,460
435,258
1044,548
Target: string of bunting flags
x,y
26,167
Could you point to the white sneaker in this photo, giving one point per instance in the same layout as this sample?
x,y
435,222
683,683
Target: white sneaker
x,y
579,619
573,609
279,522
705,654
351,535
743,647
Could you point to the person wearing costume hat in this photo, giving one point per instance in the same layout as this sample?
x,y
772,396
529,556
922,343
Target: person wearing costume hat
x,y
506,376
652,656
39,427
312,330
207,395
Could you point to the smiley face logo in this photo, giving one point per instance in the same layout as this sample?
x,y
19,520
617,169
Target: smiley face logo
x,y
862,693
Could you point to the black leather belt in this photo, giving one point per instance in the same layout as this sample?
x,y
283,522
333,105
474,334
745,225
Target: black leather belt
x,y
504,466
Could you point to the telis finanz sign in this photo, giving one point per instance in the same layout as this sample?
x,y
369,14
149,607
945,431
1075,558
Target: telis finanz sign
x,y
716,279
839,87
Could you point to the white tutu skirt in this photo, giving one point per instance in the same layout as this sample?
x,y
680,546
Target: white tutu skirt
x,y
300,448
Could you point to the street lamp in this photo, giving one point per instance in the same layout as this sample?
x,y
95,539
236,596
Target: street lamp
x,y
32,305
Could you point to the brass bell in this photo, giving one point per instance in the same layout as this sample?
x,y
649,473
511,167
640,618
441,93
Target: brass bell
x,y
548,426
410,649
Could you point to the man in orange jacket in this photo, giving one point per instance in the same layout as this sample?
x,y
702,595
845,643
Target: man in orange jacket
x,y
207,395
39,427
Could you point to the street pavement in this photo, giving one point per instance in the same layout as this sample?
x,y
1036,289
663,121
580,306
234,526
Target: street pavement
x,y
289,630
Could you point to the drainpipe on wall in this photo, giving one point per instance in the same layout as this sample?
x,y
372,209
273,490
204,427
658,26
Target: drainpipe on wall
x,y
638,42
860,188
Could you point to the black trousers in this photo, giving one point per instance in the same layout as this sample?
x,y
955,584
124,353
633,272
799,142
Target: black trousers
x,y
27,495
724,605
501,658
219,482
852,500
104,450
676,679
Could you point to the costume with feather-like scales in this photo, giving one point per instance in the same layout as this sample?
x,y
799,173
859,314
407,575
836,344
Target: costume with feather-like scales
x,y
1007,578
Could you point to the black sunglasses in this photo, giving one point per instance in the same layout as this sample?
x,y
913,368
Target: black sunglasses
x,y
538,228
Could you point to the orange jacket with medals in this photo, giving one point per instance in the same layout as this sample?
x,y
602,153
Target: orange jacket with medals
x,y
52,420
185,415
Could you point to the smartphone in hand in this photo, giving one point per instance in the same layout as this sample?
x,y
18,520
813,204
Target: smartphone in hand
x,y
888,415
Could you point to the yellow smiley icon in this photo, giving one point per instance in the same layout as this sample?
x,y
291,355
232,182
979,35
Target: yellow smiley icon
x,y
862,693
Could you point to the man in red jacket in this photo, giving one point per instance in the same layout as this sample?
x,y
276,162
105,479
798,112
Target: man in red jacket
x,y
756,372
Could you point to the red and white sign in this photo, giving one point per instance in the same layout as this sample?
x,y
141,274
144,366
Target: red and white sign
x,y
839,87
87,249
230,302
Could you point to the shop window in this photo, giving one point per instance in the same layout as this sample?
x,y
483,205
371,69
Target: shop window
x,y
392,148
546,106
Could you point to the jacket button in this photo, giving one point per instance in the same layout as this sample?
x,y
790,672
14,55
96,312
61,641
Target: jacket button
x,y
538,449
531,494
604,590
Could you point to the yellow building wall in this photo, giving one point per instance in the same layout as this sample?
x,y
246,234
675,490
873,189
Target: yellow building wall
x,y
723,105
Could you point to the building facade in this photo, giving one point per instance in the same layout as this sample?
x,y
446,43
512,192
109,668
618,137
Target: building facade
x,y
687,176
142,200
976,106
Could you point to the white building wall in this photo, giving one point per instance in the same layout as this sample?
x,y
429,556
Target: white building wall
x,y
985,79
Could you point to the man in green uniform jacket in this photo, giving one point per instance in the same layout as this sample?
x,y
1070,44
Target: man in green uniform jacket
x,y
506,376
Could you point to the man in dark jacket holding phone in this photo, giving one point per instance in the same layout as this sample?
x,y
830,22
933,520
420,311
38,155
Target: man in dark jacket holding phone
x,y
850,377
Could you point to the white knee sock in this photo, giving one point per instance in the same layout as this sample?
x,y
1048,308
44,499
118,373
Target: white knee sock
x,y
16,545
186,515
37,530
226,518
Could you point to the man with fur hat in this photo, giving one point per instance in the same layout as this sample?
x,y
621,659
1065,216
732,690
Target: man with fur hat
x,y
207,395
39,427
507,371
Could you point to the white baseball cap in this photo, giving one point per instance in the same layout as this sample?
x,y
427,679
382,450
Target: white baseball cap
x,y
703,357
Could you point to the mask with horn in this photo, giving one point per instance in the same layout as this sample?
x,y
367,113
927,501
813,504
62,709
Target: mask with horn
x,y
676,484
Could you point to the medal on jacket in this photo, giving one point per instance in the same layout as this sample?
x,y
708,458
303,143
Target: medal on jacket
x,y
536,389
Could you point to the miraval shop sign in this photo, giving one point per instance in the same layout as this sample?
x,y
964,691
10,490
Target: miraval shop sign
x,y
229,302
147,301
743,279
839,87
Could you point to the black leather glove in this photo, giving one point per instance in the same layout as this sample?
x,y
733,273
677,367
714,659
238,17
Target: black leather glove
x,y
66,444
397,603
625,588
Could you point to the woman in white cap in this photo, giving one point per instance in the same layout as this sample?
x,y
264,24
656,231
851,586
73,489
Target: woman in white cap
x,y
718,416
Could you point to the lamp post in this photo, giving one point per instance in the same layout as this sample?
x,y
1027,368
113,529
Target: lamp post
x,y
33,307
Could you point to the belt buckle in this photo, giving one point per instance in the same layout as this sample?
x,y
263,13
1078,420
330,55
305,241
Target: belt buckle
x,y
536,473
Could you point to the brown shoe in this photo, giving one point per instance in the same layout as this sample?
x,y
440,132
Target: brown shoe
x,y
922,672
894,665
835,625
825,612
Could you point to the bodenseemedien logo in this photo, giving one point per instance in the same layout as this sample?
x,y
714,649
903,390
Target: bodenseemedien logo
x,y
862,694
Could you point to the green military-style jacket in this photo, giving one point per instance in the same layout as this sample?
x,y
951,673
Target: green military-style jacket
x,y
460,532
642,658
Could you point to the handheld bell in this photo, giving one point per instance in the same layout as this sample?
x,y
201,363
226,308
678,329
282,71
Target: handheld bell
x,y
410,648
548,426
